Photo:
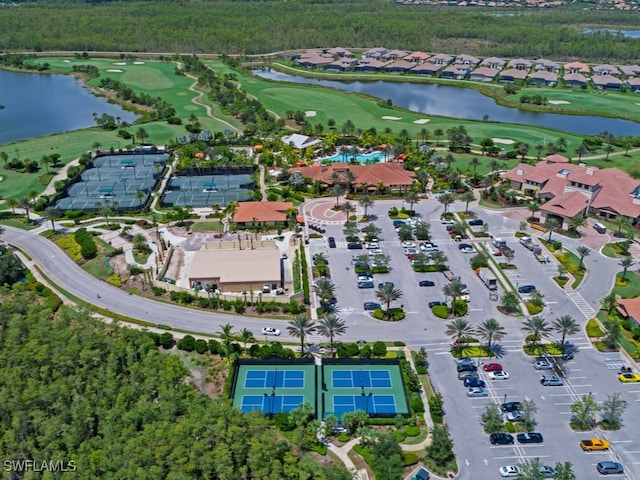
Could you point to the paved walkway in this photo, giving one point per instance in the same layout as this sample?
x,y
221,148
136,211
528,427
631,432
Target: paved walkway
x,y
343,454
60,175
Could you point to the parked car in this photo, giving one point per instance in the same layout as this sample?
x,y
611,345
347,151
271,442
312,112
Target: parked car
x,y
607,468
499,375
546,471
515,416
629,377
436,304
408,245
270,331
543,365
461,360
354,246
509,471
510,406
399,223
592,444
375,251
447,221
475,222
474,382
384,284
476,392
501,439
466,367
426,283
367,284
533,437
551,381
492,367
373,246
332,242
526,288
371,305
428,247
410,251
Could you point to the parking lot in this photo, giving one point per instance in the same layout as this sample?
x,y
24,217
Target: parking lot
x,y
590,372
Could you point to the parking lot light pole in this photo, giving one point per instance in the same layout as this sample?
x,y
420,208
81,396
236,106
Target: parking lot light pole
x,y
505,398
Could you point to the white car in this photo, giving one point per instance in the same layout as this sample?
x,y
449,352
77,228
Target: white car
x,y
373,246
408,245
410,251
270,331
446,221
375,251
543,365
515,416
499,375
509,471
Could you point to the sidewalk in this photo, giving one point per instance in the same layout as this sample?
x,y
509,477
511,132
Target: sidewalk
x,y
343,454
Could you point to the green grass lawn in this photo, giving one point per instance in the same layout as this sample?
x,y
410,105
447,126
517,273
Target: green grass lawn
x,y
632,288
207,226
608,251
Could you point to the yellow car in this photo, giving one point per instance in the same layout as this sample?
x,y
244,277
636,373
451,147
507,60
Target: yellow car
x,y
594,444
629,377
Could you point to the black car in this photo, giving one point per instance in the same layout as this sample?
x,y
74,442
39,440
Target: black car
x,y
371,305
366,285
501,439
354,246
465,246
332,242
426,283
476,221
510,406
533,437
466,367
436,304
384,284
526,288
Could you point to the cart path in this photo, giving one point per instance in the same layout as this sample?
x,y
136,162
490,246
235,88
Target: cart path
x,y
199,95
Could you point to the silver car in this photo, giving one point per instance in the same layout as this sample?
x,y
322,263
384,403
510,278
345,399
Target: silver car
x,y
477,392
543,365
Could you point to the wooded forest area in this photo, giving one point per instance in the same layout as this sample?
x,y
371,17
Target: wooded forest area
x,y
104,401
224,26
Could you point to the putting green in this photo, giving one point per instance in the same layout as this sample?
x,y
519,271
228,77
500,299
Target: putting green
x,y
147,78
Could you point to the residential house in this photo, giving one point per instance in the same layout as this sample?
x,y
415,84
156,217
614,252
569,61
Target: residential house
x,y
513,74
629,309
398,66
376,53
467,60
605,70
417,57
606,82
548,65
520,64
342,64
484,74
630,70
314,59
574,80
576,67
575,189
633,84
339,52
456,71
543,77
440,59
366,177
427,69
368,65
393,55
262,213
494,63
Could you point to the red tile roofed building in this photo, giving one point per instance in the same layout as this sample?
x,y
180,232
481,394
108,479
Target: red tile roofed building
x,y
629,308
417,57
576,67
269,213
391,175
608,192
555,158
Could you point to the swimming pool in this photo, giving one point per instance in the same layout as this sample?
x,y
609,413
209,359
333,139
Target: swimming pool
x,y
375,157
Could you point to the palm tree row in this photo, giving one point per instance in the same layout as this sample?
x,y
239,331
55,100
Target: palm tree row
x,y
330,326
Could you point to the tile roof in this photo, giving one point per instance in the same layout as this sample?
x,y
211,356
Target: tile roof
x,y
237,266
555,158
578,66
604,80
575,77
485,72
566,205
427,68
467,59
629,307
514,73
417,57
499,62
545,75
630,70
246,212
605,70
520,62
391,174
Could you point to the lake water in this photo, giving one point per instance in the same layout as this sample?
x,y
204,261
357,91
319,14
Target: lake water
x,y
42,104
464,103
624,33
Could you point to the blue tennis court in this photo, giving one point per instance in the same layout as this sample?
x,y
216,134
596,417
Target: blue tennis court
x,y
361,379
371,404
270,404
274,379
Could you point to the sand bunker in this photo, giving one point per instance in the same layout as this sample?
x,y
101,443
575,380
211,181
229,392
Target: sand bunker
x,y
310,113
504,141
637,103
422,121
138,63
120,63
559,102
391,118
114,70
66,61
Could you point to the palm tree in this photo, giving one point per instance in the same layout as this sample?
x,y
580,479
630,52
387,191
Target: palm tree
x,y
387,294
324,289
621,222
365,202
336,191
625,263
140,195
51,213
581,150
25,204
5,157
454,290
301,326
551,225
458,329
411,198
142,134
576,222
609,149
245,337
349,178
533,207
446,199
493,165
12,203
347,207
539,148
467,198
331,326
227,337
610,302
565,325
475,163
582,251
536,327
96,146
491,330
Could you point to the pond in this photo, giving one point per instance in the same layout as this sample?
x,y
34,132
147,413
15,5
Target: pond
x,y
463,103
43,104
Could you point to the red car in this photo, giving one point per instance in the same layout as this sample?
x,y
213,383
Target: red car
x,y
492,367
